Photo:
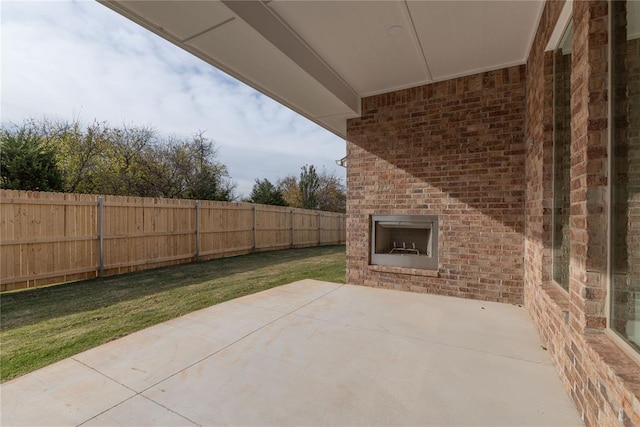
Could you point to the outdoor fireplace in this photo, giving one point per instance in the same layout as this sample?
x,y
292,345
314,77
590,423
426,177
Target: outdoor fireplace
x,y
405,241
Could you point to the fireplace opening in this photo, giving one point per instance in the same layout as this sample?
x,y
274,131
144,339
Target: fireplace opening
x,y
405,241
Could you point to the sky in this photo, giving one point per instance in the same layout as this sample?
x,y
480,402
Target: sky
x,y
78,60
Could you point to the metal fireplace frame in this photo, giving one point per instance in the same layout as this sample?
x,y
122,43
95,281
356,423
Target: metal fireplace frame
x,y
402,256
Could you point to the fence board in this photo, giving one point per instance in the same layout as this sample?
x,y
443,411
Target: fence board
x,y
50,238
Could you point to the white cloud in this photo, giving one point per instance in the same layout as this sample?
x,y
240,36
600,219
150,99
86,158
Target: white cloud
x,y
71,60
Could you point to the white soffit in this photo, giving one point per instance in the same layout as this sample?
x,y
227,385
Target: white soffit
x,y
352,37
467,37
320,57
181,19
275,72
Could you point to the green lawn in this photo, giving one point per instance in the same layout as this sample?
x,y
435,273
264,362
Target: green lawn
x,y
41,326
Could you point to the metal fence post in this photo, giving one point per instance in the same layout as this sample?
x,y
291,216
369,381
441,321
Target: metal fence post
x,y
343,220
197,235
101,236
255,222
292,240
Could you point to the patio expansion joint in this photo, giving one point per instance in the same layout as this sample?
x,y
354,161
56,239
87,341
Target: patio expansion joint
x,y
136,393
237,340
141,393
440,343
284,312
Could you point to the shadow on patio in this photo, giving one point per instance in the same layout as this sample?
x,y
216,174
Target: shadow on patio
x,y
309,353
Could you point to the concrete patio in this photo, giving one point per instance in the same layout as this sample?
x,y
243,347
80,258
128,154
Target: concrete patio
x,y
309,353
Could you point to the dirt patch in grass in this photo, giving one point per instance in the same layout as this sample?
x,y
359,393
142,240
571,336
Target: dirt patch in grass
x,y
41,326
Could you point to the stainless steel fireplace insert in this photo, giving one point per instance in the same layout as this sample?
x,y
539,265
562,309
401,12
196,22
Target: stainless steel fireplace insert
x,y
405,241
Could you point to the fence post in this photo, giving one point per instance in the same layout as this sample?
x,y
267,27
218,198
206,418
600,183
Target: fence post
x,y
197,235
255,222
292,240
319,233
343,219
101,236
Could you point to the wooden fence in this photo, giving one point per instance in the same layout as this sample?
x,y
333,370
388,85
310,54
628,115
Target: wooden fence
x,y
53,238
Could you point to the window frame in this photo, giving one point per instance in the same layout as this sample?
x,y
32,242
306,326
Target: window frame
x,y
556,40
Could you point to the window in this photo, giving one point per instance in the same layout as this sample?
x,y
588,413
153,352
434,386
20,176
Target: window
x,y
561,157
624,298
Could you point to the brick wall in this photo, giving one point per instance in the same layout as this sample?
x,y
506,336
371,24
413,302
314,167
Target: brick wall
x,y
454,149
602,380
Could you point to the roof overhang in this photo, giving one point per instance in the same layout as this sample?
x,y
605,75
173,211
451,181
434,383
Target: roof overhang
x,y
320,58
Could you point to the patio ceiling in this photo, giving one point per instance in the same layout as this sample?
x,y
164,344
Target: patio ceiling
x,y
320,58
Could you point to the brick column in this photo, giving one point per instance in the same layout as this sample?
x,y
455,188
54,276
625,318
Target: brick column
x,y
589,171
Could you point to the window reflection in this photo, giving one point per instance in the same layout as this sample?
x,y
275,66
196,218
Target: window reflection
x,y
625,209
562,157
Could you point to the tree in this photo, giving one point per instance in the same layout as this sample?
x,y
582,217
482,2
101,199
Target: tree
x,y
81,154
195,172
123,161
331,195
288,187
26,162
98,158
266,193
309,184
312,191
131,152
